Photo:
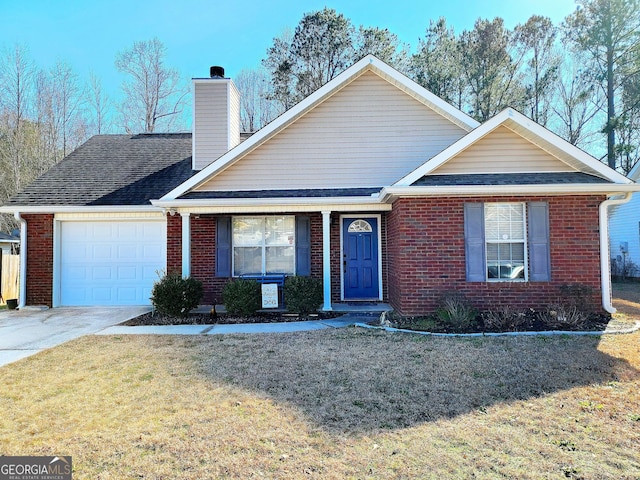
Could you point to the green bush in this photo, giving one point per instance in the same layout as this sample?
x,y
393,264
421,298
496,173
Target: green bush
x,y
242,297
175,295
303,295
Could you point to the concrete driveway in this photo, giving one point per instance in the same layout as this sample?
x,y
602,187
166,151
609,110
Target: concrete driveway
x,y
27,332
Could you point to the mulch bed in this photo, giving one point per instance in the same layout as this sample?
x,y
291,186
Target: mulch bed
x,y
529,321
223,318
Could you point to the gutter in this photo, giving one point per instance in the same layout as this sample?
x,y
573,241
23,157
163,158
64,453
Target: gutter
x,y
78,209
23,260
390,194
605,265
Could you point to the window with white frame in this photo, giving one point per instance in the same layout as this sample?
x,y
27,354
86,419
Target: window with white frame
x,y
263,245
505,241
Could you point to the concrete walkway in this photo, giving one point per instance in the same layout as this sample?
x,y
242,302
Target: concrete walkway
x,y
29,331
280,327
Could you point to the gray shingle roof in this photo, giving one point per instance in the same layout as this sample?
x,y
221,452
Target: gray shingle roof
x,y
134,169
294,193
508,179
114,170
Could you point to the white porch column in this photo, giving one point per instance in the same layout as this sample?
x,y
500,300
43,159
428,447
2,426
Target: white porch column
x,y
326,260
186,244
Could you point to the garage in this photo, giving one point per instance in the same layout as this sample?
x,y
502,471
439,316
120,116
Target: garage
x,y
110,262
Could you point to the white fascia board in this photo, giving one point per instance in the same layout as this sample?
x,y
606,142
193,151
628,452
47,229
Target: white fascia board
x,y
274,204
282,209
390,193
511,115
570,149
367,63
78,209
453,149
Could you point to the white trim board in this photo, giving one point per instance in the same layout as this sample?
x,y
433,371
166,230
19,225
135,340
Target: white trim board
x,y
528,129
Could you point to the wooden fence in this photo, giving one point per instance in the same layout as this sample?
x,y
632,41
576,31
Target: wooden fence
x,y
10,277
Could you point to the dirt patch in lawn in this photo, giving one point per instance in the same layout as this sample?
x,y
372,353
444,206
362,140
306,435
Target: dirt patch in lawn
x,y
345,403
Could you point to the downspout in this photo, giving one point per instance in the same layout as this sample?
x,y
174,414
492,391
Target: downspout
x,y
605,265
23,260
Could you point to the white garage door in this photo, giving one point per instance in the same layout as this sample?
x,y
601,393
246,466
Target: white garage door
x,y
110,263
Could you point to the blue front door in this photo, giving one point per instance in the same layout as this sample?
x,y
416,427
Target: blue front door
x,y
360,258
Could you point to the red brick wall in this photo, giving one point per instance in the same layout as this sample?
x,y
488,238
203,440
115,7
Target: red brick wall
x,y
203,234
203,258
39,259
336,259
174,243
316,244
426,254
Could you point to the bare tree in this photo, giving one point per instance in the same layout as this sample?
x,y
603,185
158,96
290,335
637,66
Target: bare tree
x,y
256,109
152,91
19,137
578,103
60,116
98,106
16,88
67,96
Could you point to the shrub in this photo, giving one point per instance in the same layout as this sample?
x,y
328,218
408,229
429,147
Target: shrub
x,y
456,312
242,297
562,317
176,296
504,319
303,295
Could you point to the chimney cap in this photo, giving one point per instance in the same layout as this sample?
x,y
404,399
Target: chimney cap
x,y
216,72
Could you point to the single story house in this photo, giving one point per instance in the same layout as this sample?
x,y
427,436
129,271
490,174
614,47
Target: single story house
x,y
372,184
624,230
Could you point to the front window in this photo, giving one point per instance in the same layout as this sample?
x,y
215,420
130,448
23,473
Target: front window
x,y
263,245
505,241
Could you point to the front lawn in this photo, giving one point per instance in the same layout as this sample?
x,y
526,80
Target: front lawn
x,y
347,403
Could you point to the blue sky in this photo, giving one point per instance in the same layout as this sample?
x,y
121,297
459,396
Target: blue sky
x,y
234,34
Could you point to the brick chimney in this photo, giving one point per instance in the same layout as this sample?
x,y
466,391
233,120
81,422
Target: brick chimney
x,y
216,117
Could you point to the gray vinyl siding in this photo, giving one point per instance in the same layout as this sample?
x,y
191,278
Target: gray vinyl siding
x,y
624,226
